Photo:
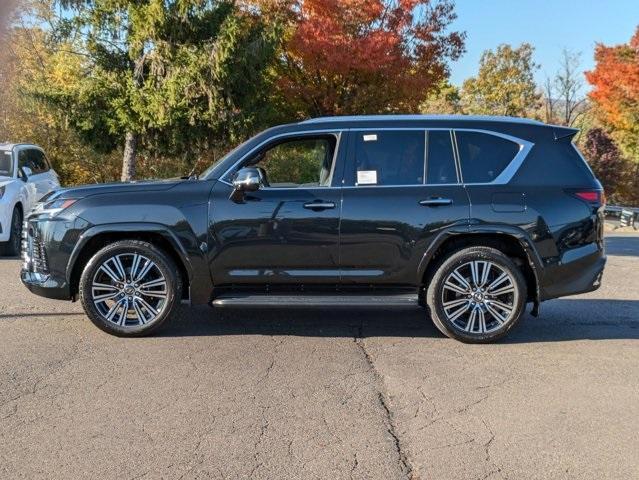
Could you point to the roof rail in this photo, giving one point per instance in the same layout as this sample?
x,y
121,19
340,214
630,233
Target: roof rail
x,y
484,118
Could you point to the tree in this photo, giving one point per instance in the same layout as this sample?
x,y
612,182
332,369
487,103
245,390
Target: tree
x,y
365,56
445,100
563,101
24,62
504,84
163,77
615,82
606,161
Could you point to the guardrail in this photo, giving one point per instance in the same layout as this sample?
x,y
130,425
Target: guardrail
x,y
628,216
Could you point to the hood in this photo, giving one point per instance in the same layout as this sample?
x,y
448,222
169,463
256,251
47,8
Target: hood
x,y
83,191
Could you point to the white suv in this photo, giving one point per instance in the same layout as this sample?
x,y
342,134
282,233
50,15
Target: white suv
x,y
25,176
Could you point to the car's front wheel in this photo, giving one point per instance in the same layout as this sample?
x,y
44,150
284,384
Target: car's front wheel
x,y
130,288
477,295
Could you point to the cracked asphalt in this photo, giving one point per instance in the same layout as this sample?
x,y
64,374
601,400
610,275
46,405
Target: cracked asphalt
x,y
304,394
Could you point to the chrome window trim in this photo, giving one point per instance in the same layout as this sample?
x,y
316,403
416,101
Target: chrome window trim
x,y
503,178
336,132
509,171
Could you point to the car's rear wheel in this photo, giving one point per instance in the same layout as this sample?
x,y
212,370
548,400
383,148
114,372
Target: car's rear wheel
x,y
12,247
130,288
477,295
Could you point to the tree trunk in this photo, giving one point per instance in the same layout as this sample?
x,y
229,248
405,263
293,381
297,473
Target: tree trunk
x,y
130,153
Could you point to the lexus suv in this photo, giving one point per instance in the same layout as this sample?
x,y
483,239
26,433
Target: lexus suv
x,y
471,218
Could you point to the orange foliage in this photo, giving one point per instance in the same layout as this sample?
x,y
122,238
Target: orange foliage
x,y
615,82
366,56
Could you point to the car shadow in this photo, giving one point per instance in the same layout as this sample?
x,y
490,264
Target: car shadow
x,y
623,245
560,320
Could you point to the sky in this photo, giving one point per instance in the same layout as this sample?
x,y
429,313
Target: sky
x,y
548,25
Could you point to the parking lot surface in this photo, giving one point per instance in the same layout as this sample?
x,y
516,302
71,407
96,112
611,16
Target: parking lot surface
x,y
366,394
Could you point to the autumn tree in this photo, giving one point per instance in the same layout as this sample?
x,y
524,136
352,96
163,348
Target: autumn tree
x,y
605,159
445,99
505,83
162,77
365,56
615,82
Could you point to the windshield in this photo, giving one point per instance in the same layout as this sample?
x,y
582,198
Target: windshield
x,y
6,164
209,170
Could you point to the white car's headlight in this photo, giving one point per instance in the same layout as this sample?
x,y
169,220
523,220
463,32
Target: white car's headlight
x,y
2,189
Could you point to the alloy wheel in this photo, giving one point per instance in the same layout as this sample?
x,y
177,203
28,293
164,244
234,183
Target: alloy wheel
x,y
129,289
479,297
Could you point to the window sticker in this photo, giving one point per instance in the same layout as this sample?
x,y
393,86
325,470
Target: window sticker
x,y
370,137
367,177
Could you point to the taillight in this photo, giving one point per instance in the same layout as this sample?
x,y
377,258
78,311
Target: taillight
x,y
596,197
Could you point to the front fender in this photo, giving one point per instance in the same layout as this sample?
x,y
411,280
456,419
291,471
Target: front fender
x,y
132,227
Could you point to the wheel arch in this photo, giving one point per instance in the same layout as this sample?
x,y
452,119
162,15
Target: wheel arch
x,y
512,241
99,236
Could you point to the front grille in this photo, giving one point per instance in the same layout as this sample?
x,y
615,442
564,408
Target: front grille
x,y
34,254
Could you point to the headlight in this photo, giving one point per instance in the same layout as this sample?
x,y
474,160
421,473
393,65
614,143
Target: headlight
x,y
2,188
54,207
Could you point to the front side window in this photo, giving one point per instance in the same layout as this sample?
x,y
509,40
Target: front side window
x,y
38,161
389,157
440,159
484,156
301,162
34,159
6,164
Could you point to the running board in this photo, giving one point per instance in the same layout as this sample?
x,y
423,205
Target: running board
x,y
306,300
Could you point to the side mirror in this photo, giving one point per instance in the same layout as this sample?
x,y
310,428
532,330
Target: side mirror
x,y
247,179
26,173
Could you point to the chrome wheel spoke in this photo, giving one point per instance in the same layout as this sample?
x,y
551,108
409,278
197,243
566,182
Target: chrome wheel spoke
x,y
498,281
503,290
114,276
471,320
147,267
138,312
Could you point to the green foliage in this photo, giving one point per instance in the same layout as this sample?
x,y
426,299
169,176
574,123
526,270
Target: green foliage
x,y
505,83
184,76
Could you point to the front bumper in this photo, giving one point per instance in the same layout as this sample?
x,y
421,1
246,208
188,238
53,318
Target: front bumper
x,y
44,257
45,285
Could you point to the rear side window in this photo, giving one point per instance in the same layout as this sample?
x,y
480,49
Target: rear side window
x,y
483,156
389,157
440,160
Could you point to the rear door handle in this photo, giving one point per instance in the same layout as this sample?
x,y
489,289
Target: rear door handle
x,y
436,202
319,205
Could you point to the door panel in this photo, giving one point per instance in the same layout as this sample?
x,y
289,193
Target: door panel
x,y
287,232
275,236
386,228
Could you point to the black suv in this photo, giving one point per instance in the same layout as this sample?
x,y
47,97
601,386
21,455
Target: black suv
x,y
469,217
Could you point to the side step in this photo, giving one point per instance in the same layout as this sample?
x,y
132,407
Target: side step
x,y
314,300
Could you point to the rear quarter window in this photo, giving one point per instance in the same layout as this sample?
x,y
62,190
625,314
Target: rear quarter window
x,y
484,156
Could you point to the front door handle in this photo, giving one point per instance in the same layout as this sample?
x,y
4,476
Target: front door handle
x,y
318,205
436,202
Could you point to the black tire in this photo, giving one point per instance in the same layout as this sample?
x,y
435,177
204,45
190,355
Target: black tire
x,y
11,248
435,293
165,265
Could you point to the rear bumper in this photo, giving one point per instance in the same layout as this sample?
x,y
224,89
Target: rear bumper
x,y
581,274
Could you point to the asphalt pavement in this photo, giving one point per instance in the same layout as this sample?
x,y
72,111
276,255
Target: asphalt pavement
x,y
305,394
